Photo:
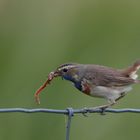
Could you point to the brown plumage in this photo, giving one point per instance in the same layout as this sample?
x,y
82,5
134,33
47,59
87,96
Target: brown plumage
x,y
105,76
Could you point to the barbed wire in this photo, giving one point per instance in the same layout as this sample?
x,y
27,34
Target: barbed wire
x,y
69,112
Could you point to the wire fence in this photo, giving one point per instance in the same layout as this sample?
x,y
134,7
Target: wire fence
x,y
69,112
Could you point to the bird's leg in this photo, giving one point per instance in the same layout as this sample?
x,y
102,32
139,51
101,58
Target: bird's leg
x,y
122,95
104,107
112,102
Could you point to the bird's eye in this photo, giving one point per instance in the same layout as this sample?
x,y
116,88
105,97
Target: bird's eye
x,y
65,70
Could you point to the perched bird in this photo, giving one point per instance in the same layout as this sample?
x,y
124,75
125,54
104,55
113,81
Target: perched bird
x,y
97,81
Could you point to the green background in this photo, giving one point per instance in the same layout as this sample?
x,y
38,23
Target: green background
x,y
36,36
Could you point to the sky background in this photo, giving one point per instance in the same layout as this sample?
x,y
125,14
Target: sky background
x,y
37,36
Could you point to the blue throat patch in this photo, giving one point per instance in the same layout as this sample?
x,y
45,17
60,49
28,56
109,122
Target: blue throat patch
x,y
76,83
67,77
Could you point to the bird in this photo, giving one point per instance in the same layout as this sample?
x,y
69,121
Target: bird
x,y
98,81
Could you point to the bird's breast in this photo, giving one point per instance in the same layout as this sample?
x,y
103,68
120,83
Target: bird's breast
x,y
109,92
86,86
83,86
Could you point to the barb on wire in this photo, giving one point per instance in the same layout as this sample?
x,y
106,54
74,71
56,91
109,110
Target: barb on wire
x,y
69,112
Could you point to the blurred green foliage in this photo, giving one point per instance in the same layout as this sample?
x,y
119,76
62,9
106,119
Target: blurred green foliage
x,y
37,36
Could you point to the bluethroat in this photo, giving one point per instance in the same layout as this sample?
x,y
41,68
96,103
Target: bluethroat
x,y
96,80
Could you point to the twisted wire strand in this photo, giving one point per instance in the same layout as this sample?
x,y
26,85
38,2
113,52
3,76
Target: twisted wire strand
x,y
65,111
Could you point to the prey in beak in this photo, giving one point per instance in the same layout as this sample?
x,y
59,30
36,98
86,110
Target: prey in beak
x,y
48,81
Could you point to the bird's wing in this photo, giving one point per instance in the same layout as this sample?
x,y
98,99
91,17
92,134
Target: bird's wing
x,y
112,80
104,76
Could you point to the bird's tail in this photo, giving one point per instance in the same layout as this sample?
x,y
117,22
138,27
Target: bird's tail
x,y
131,71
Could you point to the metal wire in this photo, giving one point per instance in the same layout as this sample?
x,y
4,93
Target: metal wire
x,y
66,111
69,112
70,115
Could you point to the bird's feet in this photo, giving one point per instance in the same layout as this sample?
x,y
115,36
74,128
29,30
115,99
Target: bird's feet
x,y
100,109
103,108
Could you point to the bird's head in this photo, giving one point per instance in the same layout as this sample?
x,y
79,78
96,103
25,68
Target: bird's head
x,y
68,71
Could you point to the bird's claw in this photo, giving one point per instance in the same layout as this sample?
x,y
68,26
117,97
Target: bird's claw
x,y
103,110
85,111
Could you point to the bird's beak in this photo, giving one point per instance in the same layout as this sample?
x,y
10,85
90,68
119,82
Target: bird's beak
x,y
56,73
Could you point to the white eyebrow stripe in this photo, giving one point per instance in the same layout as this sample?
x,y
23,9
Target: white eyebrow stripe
x,y
66,67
